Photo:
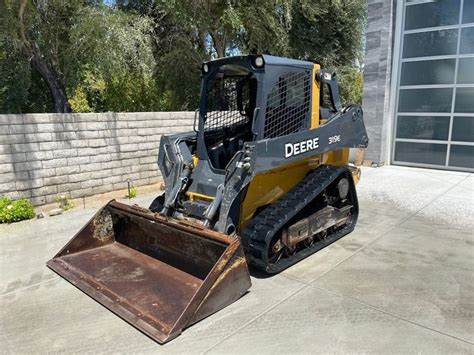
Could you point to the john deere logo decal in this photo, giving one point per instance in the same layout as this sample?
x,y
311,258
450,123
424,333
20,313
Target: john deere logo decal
x,y
292,149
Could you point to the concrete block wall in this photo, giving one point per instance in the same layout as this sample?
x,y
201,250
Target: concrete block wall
x,y
45,155
377,75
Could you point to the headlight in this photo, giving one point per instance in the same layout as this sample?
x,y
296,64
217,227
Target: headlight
x,y
259,62
205,68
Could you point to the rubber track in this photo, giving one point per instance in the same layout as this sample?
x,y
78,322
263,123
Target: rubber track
x,y
265,225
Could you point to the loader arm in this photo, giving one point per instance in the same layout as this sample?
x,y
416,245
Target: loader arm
x,y
345,129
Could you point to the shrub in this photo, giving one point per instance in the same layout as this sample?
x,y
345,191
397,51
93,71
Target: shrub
x,y
15,210
132,192
65,202
351,85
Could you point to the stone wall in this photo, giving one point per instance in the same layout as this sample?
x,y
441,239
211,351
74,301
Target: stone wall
x,y
44,155
377,77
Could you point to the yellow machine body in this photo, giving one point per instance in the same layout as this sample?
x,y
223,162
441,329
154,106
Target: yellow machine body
x,y
268,187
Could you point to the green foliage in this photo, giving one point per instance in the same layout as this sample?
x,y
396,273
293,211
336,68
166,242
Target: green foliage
x,y
21,90
351,82
265,28
117,68
65,202
132,192
146,55
328,32
15,210
78,101
103,57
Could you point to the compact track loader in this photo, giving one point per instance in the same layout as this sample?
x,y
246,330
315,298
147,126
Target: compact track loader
x,y
262,180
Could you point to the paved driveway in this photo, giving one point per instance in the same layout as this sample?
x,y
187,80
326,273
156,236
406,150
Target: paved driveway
x,y
403,281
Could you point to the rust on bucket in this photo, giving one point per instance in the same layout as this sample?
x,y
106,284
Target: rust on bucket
x,y
159,274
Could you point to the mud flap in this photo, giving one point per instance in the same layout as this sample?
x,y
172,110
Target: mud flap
x,y
159,274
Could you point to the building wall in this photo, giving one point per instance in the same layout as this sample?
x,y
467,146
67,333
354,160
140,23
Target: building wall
x,y
43,155
434,85
418,88
377,77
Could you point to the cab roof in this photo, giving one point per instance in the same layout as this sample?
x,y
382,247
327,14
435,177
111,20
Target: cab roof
x,y
268,59
274,60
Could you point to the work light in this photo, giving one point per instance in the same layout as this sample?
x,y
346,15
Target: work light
x,y
259,62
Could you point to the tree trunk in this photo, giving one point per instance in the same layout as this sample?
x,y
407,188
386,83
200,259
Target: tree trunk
x,y
33,55
219,45
61,104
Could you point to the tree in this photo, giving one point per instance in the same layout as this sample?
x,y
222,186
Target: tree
x,y
222,27
127,55
67,42
190,31
47,18
115,69
328,32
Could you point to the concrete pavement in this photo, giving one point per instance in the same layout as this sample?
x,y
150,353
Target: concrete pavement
x,y
402,282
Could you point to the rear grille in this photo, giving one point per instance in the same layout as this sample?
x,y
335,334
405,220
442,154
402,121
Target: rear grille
x,y
288,105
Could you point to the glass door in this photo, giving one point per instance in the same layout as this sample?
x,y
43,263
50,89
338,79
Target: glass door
x,y
434,124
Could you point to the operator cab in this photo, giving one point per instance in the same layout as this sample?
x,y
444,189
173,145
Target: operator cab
x,y
248,98
228,102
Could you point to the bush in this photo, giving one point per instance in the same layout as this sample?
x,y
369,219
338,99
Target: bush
x,y
351,84
15,210
65,202
132,193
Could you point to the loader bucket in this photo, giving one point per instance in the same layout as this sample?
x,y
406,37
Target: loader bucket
x,y
159,274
